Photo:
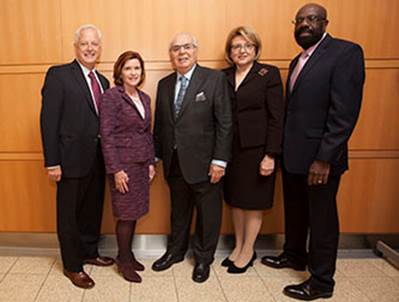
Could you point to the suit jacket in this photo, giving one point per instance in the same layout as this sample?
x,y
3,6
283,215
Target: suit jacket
x,y
126,136
258,107
68,120
323,107
203,129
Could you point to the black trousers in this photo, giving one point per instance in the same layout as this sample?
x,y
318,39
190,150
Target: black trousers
x,y
207,200
79,214
312,210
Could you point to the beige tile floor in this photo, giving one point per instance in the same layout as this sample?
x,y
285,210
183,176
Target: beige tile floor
x,y
34,279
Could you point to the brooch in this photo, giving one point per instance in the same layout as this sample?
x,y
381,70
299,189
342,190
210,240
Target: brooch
x,y
263,71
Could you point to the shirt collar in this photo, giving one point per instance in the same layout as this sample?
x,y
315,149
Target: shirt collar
x,y
188,74
85,70
312,49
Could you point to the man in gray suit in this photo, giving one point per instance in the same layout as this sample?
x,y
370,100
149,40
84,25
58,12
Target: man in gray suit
x,y
192,136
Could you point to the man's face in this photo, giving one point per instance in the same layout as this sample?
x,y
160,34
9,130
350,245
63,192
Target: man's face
x,y
310,25
183,53
88,48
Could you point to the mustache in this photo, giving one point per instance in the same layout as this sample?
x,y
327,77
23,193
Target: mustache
x,y
304,30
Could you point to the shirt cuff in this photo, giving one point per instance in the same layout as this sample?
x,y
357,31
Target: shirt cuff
x,y
220,163
53,167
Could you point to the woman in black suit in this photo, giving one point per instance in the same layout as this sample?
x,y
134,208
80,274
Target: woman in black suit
x,y
258,109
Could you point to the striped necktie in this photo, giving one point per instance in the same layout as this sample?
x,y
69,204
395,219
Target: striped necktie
x,y
180,96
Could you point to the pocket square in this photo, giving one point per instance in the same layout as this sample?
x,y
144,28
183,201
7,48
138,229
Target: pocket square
x,y
200,97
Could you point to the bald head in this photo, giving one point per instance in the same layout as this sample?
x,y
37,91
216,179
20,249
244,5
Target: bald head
x,y
310,24
183,52
314,7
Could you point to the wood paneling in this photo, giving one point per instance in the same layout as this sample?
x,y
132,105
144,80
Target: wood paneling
x,y
19,112
35,34
30,31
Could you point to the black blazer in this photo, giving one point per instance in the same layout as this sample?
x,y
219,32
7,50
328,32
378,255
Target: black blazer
x,y
258,107
203,129
323,107
68,120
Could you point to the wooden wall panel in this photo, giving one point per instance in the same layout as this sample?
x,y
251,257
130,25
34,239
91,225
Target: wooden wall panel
x,y
30,31
35,34
378,124
144,26
19,112
368,197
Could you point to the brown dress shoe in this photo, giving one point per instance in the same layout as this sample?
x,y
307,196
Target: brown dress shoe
x,y
100,261
128,272
80,279
137,265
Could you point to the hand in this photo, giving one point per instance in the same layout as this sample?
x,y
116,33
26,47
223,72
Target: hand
x,y
318,173
151,172
121,180
266,166
54,174
216,173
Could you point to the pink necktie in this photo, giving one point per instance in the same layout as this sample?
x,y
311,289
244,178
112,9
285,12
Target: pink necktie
x,y
95,87
297,70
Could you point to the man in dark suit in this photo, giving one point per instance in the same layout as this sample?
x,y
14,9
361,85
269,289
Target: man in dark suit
x,y
324,93
72,153
192,136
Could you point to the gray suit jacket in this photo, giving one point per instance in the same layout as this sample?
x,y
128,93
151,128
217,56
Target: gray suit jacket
x,y
203,129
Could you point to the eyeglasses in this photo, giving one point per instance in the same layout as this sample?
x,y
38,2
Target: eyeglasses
x,y
238,47
309,19
188,46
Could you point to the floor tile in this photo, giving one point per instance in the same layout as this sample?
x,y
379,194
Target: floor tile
x,y
358,268
264,270
57,268
108,289
154,289
20,287
148,272
2,275
33,265
185,269
221,271
104,271
385,266
344,290
190,291
59,288
275,285
382,289
6,263
245,289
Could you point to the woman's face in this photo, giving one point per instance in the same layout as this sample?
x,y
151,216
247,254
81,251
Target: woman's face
x,y
131,73
242,51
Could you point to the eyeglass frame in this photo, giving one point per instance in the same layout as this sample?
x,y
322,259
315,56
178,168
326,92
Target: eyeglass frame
x,y
187,46
309,19
246,46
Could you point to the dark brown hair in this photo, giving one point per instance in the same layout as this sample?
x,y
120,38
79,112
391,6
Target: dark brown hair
x,y
123,58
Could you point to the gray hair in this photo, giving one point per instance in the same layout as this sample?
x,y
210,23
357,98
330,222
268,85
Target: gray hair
x,y
193,38
84,27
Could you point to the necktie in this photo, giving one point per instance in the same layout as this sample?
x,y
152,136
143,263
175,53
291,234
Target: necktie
x,y
180,96
95,88
297,70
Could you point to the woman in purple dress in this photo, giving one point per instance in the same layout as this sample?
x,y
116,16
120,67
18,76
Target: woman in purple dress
x,y
125,127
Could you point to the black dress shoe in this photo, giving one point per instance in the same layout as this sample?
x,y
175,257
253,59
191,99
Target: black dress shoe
x,y
305,291
233,269
227,262
166,261
201,272
281,261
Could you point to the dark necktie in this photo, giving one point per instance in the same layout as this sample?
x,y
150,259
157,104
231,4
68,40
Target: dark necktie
x,y
180,96
95,87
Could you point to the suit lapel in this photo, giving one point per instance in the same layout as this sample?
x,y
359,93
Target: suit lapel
x,y
79,77
230,76
251,74
170,88
318,53
196,79
103,82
